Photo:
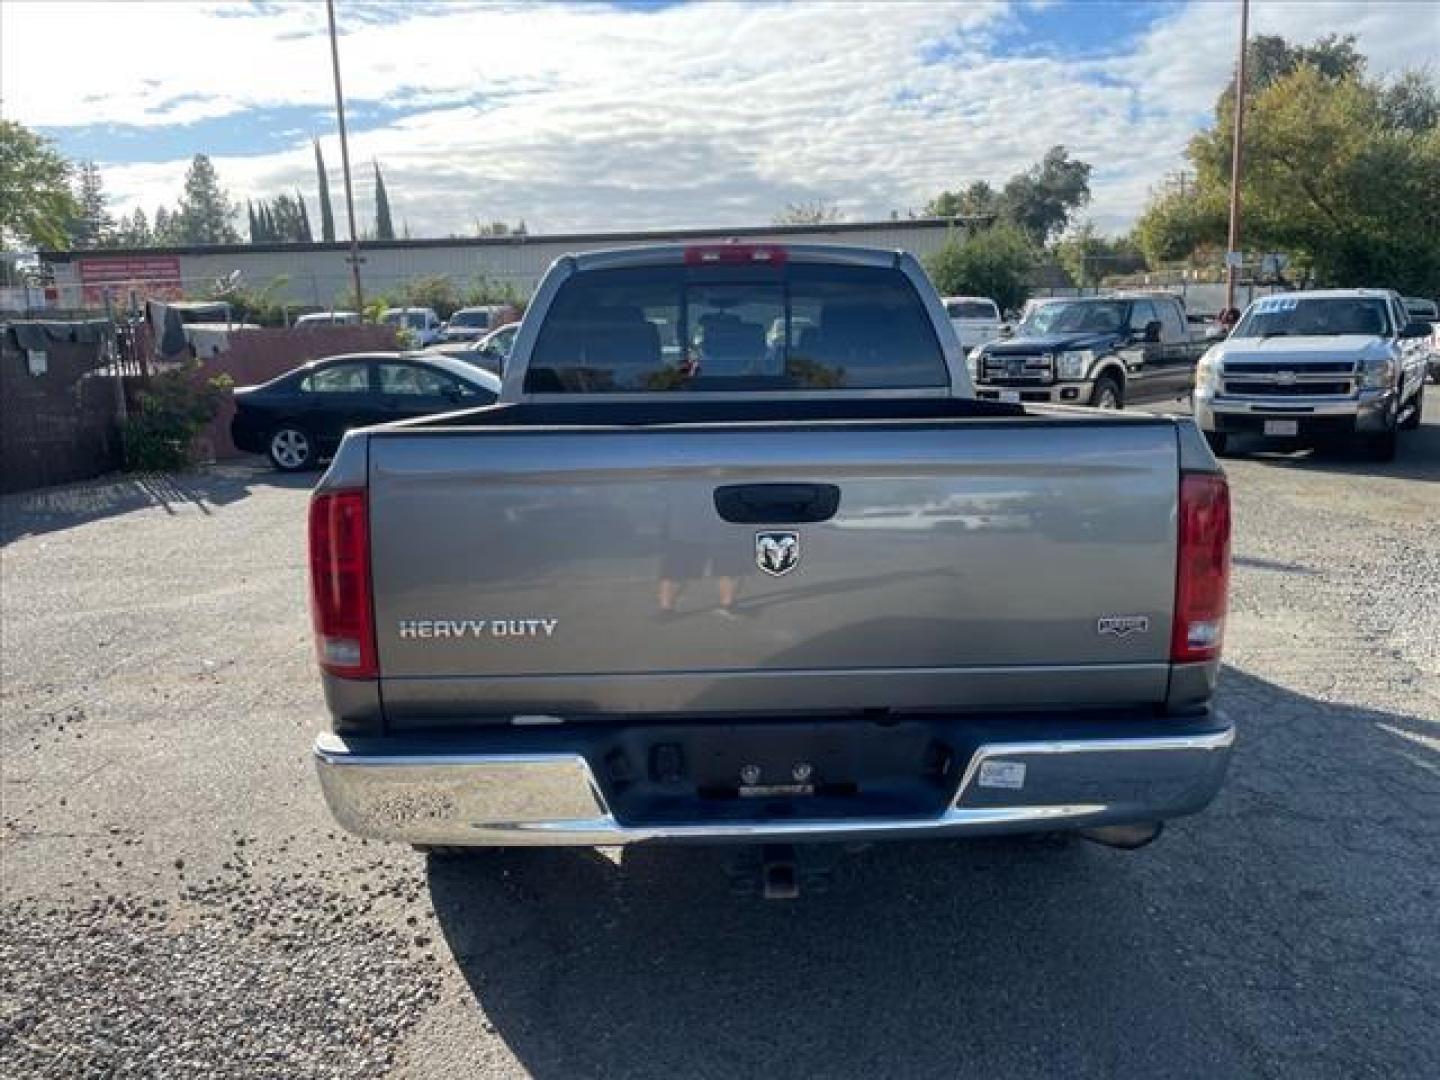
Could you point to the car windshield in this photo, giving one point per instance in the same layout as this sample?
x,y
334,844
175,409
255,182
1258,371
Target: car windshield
x,y
800,326
476,319
1326,316
1100,317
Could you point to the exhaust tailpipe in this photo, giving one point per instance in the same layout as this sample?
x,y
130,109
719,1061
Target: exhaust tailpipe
x,y
779,879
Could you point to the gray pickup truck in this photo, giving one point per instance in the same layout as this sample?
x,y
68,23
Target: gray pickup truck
x,y
739,557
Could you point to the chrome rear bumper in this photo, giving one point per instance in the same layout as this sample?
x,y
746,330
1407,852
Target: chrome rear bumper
x,y
389,790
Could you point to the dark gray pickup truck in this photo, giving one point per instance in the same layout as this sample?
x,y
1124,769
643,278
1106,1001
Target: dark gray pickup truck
x,y
1105,351
739,557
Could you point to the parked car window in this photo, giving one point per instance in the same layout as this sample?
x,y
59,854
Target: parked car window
x,y
415,320
415,380
1324,316
479,320
1142,314
1170,316
971,309
802,326
338,379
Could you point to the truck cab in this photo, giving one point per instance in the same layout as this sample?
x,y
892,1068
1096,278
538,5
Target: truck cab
x,y
1105,351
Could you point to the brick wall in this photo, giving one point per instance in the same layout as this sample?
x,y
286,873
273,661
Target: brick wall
x,y
58,426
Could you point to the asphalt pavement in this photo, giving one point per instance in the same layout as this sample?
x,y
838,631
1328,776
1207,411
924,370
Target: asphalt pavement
x,y
176,900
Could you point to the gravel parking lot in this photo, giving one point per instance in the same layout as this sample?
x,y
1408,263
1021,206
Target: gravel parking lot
x,y
178,902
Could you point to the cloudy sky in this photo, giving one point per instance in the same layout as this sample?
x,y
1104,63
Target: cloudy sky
x,y
648,114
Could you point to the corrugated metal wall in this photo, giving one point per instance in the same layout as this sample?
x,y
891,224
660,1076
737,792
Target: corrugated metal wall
x,y
320,277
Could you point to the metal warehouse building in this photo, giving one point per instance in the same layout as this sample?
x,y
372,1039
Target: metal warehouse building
x,y
317,275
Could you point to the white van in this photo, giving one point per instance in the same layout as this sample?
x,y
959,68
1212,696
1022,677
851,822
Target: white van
x,y
328,318
420,321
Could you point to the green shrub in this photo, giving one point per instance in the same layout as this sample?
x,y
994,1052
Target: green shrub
x,y
994,262
174,408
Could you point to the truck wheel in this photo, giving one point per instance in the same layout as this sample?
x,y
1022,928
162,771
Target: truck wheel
x,y
1382,447
1411,422
1107,394
1219,442
291,449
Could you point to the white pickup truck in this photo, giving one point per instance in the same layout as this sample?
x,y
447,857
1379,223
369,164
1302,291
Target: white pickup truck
x,y
694,580
976,319
1337,363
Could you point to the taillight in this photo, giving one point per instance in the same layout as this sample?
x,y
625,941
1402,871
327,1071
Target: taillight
x,y
1202,570
340,584
731,254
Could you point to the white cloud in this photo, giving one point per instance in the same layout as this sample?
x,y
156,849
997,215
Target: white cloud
x,y
591,117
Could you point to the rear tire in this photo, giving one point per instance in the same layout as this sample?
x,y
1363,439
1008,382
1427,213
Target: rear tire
x,y
291,448
1107,394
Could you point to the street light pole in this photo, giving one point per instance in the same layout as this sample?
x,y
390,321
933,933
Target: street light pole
x,y
354,258
1232,247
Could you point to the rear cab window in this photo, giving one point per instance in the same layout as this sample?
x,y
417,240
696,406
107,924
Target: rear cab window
x,y
971,309
793,326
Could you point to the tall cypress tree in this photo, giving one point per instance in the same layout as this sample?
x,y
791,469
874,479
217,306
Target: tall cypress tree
x,y
384,226
304,231
327,217
254,225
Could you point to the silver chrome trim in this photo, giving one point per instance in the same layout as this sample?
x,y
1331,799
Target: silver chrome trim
x,y
553,799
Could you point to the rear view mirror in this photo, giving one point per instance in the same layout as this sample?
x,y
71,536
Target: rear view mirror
x,y
1152,331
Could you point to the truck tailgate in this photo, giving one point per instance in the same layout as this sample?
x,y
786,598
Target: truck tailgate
x,y
967,564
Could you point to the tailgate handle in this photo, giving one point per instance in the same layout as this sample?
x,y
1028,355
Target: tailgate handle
x,y
777,504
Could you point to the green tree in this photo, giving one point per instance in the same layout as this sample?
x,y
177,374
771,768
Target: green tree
x,y
93,226
36,203
384,226
977,200
327,216
166,228
1090,258
1176,226
435,291
286,216
1340,173
1041,199
1269,58
206,212
995,262
135,230
303,232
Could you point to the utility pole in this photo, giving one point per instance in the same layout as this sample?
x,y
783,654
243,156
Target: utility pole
x,y
1232,247
354,259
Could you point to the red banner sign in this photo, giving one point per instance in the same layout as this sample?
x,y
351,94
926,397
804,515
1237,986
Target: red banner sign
x,y
151,276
